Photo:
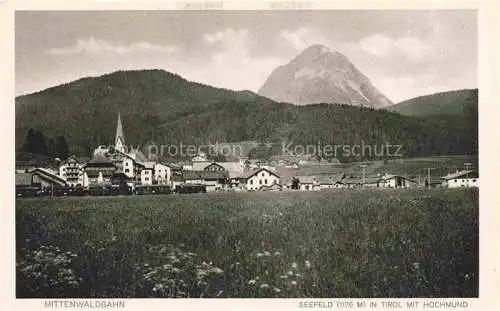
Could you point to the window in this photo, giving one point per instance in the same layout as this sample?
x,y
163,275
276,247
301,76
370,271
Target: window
x,y
251,181
146,179
455,180
126,163
262,174
127,170
473,180
265,181
260,181
275,181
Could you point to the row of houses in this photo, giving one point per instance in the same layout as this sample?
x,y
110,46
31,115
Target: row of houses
x,y
116,166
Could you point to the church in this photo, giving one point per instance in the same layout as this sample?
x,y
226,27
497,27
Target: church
x,y
112,164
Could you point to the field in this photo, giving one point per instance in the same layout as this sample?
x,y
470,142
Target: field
x,y
345,243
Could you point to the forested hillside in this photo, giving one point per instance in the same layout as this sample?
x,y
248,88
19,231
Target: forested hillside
x,y
161,107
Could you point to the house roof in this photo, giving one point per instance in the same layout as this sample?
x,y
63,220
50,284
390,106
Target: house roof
x,y
368,180
459,174
307,179
200,165
330,178
48,174
171,165
100,159
207,175
23,179
391,176
253,172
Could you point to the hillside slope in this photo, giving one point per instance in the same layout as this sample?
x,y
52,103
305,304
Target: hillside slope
x,y
164,108
448,103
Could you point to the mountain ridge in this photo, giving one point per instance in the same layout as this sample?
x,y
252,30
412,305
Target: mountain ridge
x,y
449,102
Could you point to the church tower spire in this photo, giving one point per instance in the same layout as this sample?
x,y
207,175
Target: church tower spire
x,y
119,139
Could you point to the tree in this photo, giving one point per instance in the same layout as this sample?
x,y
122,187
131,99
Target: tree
x,y
62,149
40,144
51,147
29,144
295,183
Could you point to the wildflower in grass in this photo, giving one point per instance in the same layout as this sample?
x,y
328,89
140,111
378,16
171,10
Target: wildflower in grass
x,y
277,253
290,272
307,264
265,285
276,290
416,265
252,282
284,276
216,270
294,265
297,275
293,283
259,255
266,253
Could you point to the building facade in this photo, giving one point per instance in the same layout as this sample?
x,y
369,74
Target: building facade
x,y
261,177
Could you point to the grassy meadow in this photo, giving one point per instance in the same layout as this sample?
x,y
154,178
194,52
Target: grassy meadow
x,y
339,243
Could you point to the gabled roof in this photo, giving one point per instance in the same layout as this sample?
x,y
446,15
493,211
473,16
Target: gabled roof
x,y
45,173
253,172
359,181
307,179
100,159
71,159
200,165
171,165
328,179
391,176
207,175
459,174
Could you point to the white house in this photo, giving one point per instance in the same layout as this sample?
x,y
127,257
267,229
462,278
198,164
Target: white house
x,y
147,174
162,173
261,177
396,181
308,183
469,178
71,170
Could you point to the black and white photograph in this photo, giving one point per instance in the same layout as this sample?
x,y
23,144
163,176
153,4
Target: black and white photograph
x,y
247,154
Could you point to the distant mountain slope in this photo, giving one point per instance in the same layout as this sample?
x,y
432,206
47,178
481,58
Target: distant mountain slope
x,y
86,109
321,75
448,103
164,108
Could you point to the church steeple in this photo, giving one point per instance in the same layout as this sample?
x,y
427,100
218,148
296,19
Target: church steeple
x,y
119,139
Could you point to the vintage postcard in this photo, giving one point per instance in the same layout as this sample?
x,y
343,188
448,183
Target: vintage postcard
x,y
208,154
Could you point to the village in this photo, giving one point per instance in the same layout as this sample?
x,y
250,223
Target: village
x,y
112,170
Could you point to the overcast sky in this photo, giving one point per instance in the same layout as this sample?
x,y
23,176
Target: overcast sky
x,y
404,53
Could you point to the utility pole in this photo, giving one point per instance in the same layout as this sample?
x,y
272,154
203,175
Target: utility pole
x,y
364,167
419,183
429,176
